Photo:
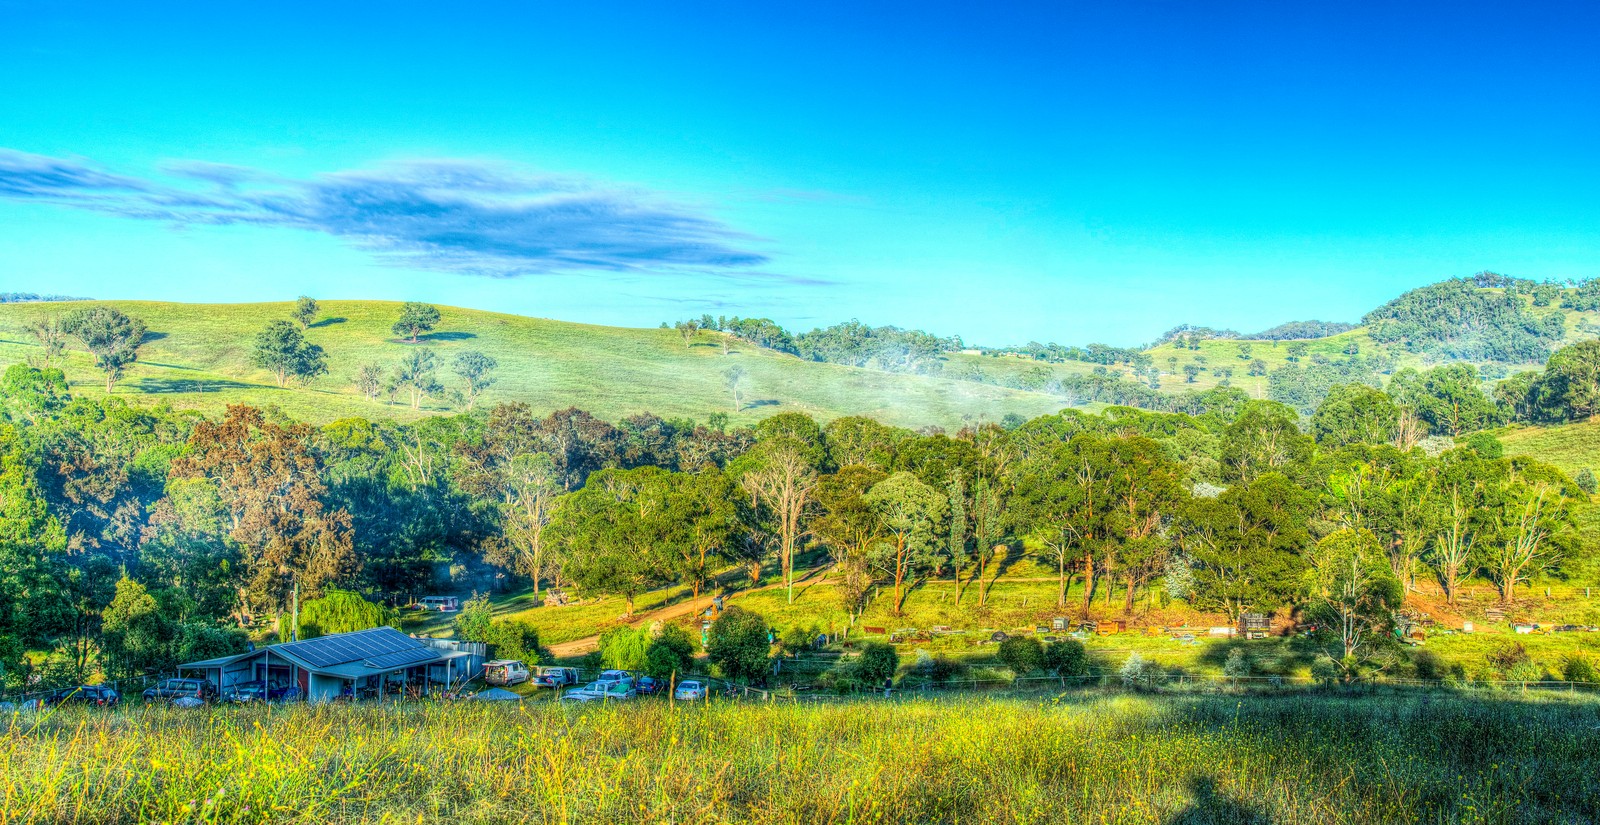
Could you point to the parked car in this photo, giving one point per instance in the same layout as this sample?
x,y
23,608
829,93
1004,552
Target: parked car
x,y
259,691
246,692
173,688
506,672
554,677
648,686
689,691
602,692
614,676
443,604
97,695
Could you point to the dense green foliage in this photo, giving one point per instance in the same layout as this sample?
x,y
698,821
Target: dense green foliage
x,y
1457,319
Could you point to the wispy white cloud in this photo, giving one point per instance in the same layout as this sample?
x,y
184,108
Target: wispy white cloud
x,y
467,217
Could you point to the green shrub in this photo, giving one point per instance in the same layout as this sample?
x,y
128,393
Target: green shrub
x,y
1140,672
669,654
878,661
1578,668
1325,669
1023,654
1066,658
1238,666
624,648
738,646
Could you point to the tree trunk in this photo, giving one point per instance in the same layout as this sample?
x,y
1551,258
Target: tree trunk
x,y
1061,579
1088,581
1128,604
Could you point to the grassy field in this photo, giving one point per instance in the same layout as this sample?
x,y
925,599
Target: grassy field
x,y
1074,757
198,356
1572,447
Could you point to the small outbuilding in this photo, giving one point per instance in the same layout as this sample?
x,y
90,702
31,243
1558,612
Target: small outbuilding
x,y
370,663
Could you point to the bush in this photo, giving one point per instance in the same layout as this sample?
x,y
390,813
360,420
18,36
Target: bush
x,y
341,611
1023,654
940,668
1140,672
1525,672
1578,668
877,663
670,654
1066,658
1428,665
1325,669
1586,481
516,640
1238,666
738,646
797,639
1506,658
1484,445
624,648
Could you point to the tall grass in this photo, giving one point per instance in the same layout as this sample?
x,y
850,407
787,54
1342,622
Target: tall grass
x,y
1118,759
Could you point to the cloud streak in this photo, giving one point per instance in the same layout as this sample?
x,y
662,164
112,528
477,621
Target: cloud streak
x,y
474,218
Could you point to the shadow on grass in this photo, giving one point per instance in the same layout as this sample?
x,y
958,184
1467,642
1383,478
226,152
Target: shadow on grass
x,y
327,322
1212,808
447,336
152,336
161,386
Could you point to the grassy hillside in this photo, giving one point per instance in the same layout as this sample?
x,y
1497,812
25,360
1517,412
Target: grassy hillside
x,y
1572,447
198,356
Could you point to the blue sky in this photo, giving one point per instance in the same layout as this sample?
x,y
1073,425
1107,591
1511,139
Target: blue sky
x,y
1057,171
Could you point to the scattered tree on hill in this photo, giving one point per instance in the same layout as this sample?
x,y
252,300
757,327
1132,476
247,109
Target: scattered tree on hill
x,y
283,351
416,319
306,310
847,524
111,337
688,329
618,532
738,646
476,371
369,381
1257,368
1190,373
1527,542
416,375
781,483
909,514
50,333
733,379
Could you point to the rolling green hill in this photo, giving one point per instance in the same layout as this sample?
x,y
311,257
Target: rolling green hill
x,y
197,356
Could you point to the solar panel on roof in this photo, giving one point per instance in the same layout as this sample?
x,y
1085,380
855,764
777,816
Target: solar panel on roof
x,y
401,658
353,647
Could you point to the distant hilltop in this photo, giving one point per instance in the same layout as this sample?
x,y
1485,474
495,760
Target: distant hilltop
x,y
31,297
